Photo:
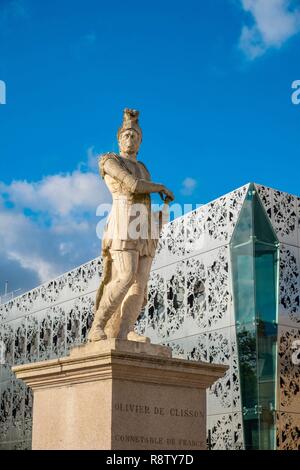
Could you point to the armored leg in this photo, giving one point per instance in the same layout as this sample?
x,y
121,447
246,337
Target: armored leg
x,y
134,299
124,267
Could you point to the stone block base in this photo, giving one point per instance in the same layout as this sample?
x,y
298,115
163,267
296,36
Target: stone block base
x,y
117,394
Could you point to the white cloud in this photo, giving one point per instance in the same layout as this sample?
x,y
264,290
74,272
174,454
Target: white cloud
x,y
58,194
49,226
34,262
26,244
272,23
188,186
92,158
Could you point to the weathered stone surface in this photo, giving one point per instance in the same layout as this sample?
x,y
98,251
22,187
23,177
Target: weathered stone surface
x,y
130,236
119,395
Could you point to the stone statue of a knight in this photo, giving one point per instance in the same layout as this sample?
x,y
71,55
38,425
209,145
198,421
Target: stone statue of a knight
x,y
130,237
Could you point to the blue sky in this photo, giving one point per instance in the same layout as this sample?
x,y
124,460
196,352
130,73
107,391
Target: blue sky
x,y
212,81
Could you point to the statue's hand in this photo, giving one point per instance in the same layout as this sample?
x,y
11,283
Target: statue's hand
x,y
169,195
168,200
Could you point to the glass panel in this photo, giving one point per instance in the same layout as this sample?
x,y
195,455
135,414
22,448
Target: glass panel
x,y
254,257
266,345
266,269
266,282
242,257
244,229
243,282
247,348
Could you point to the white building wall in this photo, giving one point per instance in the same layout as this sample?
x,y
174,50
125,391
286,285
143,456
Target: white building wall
x,y
190,308
283,210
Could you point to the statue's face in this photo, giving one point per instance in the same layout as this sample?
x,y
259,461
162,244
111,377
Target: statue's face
x,y
129,141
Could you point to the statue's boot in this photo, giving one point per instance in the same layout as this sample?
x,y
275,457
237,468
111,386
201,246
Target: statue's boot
x,y
129,313
97,332
127,332
113,294
133,336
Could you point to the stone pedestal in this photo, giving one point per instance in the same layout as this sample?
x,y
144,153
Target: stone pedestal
x,y
117,394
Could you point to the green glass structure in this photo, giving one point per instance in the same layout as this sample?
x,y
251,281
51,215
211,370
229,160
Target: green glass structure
x,y
255,259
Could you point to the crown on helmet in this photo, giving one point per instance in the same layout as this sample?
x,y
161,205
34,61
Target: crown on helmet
x,y
130,121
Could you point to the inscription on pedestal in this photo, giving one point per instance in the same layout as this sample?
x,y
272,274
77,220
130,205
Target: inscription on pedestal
x,y
158,441
142,409
152,413
108,396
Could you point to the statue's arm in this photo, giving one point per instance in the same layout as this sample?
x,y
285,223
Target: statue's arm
x,y
134,185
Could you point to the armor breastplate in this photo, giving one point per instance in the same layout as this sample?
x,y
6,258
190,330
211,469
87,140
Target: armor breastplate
x,y
127,206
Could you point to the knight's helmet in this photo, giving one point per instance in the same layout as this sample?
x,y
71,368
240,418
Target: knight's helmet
x,y
130,121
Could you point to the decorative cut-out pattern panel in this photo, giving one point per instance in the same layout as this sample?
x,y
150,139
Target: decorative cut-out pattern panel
x,y
190,296
200,230
214,222
58,348
283,212
217,347
73,329
39,336
288,431
17,411
226,431
235,202
219,397
45,336
289,286
171,246
6,397
175,300
285,217
218,288
8,351
207,291
235,376
195,230
289,369
266,197
156,307
20,341
189,307
194,348
196,294
75,283
32,338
